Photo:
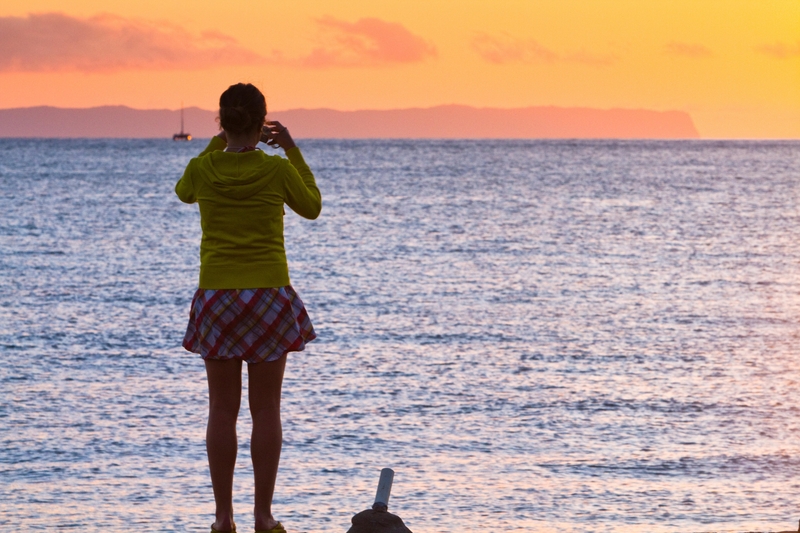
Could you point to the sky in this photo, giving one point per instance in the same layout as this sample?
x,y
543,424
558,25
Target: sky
x,y
733,65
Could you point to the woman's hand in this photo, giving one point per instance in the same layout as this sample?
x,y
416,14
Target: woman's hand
x,y
276,135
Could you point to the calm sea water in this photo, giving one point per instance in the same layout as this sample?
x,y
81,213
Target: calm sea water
x,y
536,336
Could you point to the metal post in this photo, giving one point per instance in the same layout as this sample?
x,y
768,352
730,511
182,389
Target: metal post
x,y
384,489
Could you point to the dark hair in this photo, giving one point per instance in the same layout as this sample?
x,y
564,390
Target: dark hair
x,y
242,108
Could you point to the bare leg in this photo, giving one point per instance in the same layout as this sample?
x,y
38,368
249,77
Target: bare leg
x,y
224,395
265,381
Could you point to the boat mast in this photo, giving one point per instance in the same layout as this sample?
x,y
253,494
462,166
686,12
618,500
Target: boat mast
x,y
181,117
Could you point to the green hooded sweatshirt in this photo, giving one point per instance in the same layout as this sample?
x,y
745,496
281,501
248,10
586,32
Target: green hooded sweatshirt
x,y
241,197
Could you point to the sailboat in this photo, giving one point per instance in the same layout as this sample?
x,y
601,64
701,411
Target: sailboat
x,y
182,136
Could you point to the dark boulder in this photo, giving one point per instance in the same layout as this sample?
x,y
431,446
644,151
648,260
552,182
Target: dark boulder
x,y
371,521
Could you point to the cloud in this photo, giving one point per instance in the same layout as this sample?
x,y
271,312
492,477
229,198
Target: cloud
x,y
501,50
509,50
54,42
676,48
779,50
364,43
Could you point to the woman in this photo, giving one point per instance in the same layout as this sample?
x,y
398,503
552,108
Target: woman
x,y
245,308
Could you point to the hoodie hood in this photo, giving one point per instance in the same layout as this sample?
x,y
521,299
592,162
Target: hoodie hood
x,y
238,175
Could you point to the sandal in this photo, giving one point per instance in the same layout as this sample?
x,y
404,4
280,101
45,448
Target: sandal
x,y
277,529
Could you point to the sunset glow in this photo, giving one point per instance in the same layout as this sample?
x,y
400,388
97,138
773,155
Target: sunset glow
x,y
734,65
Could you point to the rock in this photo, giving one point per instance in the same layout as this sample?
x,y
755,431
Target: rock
x,y
370,521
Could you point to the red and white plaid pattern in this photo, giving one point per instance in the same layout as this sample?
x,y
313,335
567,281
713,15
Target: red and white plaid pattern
x,y
253,325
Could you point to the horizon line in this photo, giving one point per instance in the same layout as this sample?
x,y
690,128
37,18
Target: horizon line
x,y
436,106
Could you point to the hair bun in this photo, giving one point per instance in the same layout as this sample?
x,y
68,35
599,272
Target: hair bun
x,y
242,109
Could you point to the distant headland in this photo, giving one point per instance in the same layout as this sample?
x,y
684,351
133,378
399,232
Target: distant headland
x,y
440,122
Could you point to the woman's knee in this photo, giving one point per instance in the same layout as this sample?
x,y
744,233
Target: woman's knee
x,y
222,406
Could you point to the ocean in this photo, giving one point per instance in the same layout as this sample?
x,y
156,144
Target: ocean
x,y
536,336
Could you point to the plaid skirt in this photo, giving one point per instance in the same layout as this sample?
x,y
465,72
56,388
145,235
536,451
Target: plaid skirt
x,y
253,325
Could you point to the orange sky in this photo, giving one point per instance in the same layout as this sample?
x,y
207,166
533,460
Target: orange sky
x,y
734,65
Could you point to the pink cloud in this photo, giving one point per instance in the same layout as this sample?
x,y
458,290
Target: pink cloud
x,y
676,48
506,49
108,43
779,50
501,50
366,42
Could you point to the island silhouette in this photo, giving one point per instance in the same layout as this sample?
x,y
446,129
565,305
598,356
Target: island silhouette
x,y
440,122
